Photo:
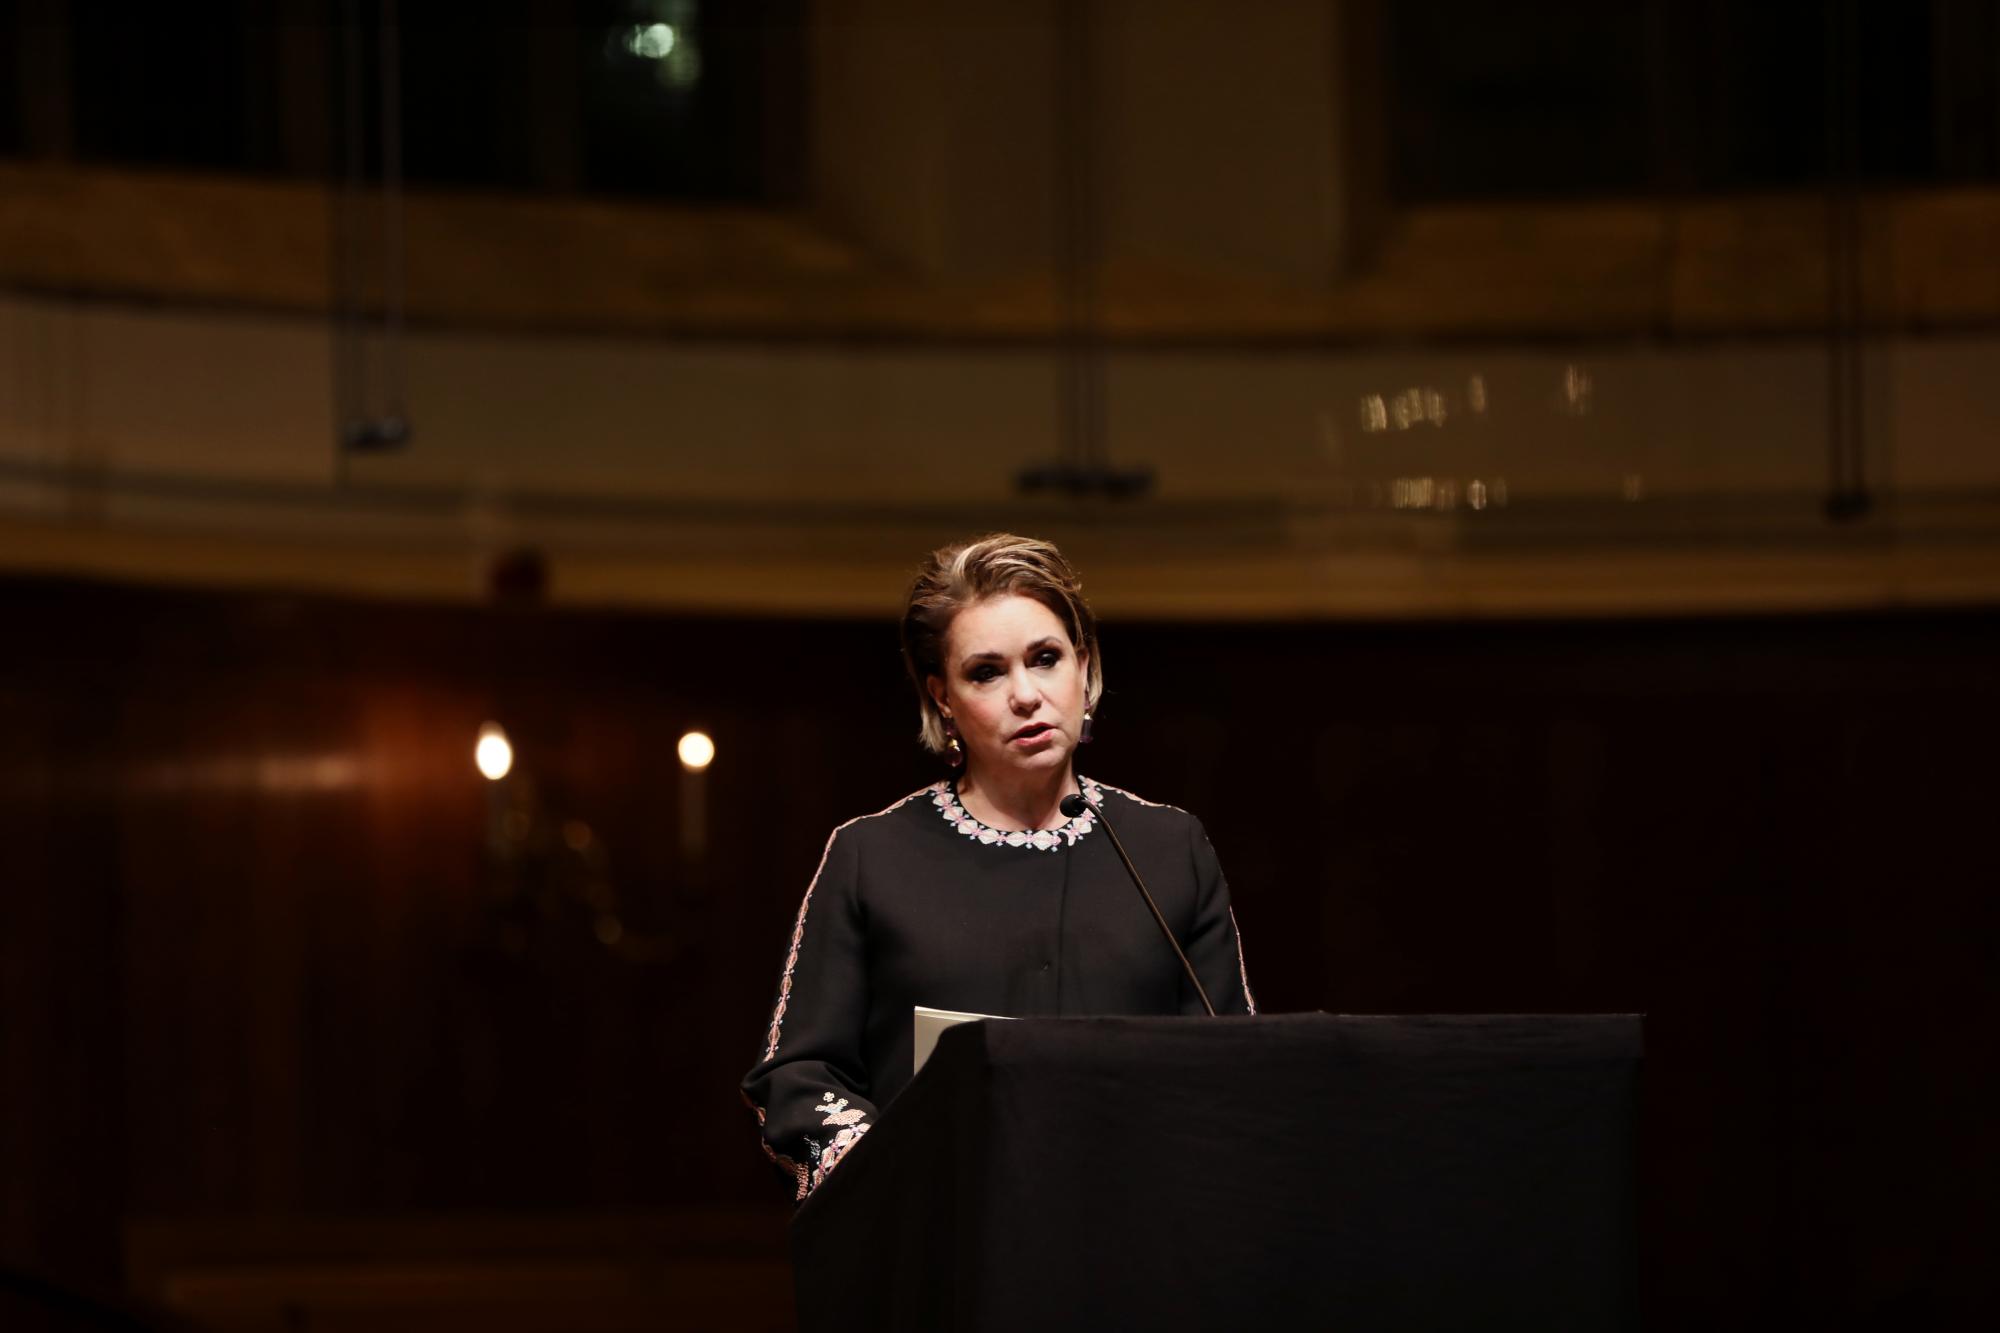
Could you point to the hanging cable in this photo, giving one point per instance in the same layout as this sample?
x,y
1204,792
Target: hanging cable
x,y
369,405
1083,463
1080,396
1847,495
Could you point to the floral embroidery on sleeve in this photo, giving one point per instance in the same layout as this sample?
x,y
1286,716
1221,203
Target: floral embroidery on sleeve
x,y
850,1126
829,1157
838,1112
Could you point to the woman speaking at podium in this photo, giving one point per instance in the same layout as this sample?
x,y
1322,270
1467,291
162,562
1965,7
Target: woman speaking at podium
x,y
978,893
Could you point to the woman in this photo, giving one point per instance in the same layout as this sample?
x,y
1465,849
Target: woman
x,y
977,893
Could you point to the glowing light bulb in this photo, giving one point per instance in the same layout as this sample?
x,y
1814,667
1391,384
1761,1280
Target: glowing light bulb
x,y
697,751
493,754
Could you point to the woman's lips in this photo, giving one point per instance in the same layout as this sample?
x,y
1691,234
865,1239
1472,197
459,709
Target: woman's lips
x,y
1029,735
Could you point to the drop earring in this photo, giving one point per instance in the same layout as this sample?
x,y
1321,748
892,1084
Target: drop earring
x,y
954,753
1084,738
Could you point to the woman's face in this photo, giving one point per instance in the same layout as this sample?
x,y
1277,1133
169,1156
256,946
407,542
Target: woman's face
x,y
1013,685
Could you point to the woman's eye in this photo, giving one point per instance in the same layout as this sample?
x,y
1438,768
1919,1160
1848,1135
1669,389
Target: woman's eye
x,y
981,674
1047,657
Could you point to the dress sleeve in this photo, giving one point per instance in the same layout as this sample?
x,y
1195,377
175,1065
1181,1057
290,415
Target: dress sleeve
x,y
809,1089
1213,946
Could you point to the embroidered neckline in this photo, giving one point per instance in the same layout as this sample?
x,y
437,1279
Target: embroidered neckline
x,y
945,799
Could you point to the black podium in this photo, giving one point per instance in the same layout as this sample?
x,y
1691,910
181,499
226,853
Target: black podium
x,y
1291,1172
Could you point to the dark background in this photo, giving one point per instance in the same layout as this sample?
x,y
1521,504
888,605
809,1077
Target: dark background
x,y
1563,98
303,1024
263,956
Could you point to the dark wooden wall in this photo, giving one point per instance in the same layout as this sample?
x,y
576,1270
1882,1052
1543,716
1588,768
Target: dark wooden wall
x,y
268,947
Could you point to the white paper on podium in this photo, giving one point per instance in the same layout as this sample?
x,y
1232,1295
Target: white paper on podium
x,y
929,1022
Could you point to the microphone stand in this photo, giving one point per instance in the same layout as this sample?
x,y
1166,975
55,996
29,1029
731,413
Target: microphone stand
x,y
1076,805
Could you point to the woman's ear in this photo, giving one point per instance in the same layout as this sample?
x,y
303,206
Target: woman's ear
x,y
936,687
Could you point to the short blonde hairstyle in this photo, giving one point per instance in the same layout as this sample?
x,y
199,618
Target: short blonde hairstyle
x,y
967,573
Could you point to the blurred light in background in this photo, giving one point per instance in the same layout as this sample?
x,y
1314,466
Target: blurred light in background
x,y
1413,493
697,751
1577,390
1419,406
651,41
493,754
665,40
271,773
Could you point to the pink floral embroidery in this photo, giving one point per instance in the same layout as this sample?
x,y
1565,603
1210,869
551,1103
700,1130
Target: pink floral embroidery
x,y
1046,840
1242,971
838,1112
785,1164
830,1157
795,1170
799,927
1138,800
808,1179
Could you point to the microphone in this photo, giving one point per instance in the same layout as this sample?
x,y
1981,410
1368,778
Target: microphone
x,y
1075,805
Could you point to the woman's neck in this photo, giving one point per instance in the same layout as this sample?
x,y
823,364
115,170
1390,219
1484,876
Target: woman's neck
x,y
1031,801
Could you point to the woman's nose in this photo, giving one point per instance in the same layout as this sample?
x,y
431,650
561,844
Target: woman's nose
x,y
1021,686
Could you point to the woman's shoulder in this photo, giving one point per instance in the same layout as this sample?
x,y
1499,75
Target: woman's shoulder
x,y
884,822
1132,806
1162,829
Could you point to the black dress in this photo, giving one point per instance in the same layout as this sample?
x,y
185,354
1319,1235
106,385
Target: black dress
x,y
923,904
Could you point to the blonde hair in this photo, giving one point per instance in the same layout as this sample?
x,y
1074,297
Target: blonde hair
x,y
966,573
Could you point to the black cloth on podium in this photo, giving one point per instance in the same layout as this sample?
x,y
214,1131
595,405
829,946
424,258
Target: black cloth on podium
x,y
1298,1171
